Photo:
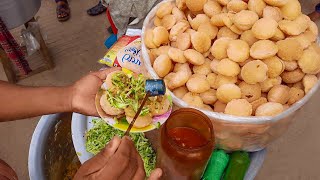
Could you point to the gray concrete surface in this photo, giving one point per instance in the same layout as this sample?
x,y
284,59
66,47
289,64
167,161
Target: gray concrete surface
x,y
76,46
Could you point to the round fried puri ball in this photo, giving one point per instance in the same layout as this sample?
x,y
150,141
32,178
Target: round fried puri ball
x,y
161,50
217,19
299,84
208,29
277,3
278,36
157,21
295,94
197,84
254,72
194,57
213,65
263,49
290,65
267,84
183,41
245,62
181,4
180,91
190,31
195,5
255,104
295,27
228,68
308,82
291,10
309,61
264,28
176,55
148,39
273,13
209,97
238,107
201,42
313,28
162,65
203,69
219,106
275,66
193,99
279,94
269,109
227,92
223,2
236,6
219,48
305,39
164,9
178,14
289,49
226,32
178,28
236,30
257,6
292,76
245,19
250,92
198,20
248,37
211,78
183,67
238,50
177,79
212,8
160,36
221,80
168,21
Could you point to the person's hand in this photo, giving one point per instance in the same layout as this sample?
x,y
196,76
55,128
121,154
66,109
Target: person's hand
x,y
119,160
84,91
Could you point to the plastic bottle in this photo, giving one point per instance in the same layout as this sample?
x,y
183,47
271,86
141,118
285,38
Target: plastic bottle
x,y
218,162
238,165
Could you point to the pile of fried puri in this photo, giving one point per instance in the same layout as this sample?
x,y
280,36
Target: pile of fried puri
x,y
239,58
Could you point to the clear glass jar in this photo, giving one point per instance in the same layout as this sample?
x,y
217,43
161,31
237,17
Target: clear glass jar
x,y
186,143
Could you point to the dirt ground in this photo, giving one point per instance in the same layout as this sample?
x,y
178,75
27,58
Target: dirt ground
x,y
76,46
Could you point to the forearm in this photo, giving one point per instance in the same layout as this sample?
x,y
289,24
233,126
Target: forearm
x,y
18,102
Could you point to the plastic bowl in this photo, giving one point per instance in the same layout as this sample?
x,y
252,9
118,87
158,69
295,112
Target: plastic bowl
x,y
233,132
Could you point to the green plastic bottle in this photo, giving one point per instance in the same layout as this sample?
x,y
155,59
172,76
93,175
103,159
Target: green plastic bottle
x,y
218,162
238,165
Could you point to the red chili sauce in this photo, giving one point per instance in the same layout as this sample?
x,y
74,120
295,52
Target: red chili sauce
x,y
187,138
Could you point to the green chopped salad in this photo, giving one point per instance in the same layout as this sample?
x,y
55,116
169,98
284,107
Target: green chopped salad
x,y
102,133
127,91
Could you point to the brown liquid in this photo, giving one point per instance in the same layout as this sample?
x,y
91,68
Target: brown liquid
x,y
187,138
185,157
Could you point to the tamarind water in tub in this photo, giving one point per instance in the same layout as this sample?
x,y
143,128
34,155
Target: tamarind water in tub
x,y
187,141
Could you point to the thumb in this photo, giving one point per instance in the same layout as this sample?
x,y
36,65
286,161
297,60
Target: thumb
x,y
102,74
155,174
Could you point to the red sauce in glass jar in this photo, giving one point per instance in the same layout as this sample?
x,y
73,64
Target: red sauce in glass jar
x,y
186,143
186,137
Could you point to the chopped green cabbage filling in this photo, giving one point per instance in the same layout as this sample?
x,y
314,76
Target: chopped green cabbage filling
x,y
102,133
128,91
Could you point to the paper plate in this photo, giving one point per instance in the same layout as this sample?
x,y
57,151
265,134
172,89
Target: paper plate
x,y
122,124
